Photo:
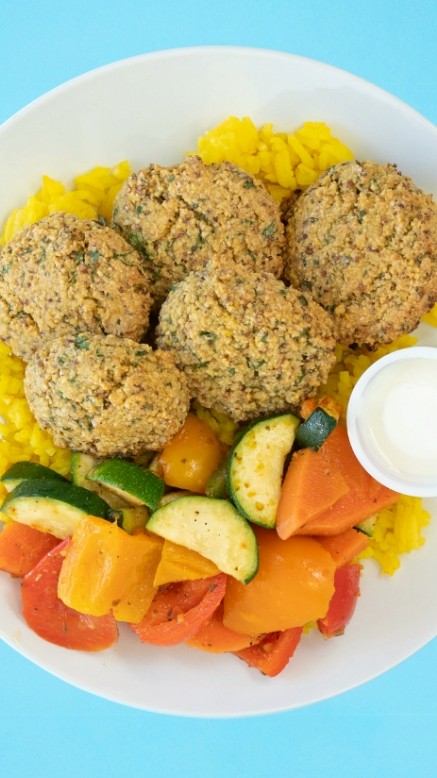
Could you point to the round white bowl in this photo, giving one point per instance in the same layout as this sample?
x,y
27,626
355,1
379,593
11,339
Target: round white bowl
x,y
153,108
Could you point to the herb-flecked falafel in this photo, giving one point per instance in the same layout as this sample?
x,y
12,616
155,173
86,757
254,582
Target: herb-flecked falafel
x,y
362,240
65,275
248,345
106,396
180,217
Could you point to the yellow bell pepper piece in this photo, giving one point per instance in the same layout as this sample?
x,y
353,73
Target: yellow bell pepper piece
x,y
182,564
106,569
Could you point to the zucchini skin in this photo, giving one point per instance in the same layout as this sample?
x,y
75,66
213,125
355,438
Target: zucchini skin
x,y
60,491
26,471
313,432
256,465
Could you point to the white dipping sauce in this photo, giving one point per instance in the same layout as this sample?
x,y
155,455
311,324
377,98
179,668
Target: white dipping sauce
x,y
400,412
392,420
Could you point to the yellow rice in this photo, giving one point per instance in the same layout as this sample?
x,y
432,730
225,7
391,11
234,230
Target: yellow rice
x,y
285,162
91,196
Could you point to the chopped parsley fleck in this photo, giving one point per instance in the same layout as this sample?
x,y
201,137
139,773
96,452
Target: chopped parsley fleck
x,y
211,337
81,341
136,240
254,364
94,255
198,242
79,256
197,366
270,230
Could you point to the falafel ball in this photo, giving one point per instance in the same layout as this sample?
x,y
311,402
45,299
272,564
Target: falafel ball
x,y
106,396
65,275
181,216
248,345
363,241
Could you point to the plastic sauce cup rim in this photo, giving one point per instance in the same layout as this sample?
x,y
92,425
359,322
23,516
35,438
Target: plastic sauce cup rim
x,y
408,485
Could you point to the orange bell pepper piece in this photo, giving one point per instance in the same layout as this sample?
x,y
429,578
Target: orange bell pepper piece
x,y
178,563
107,570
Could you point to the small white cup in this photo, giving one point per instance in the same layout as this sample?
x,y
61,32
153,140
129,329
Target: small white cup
x,y
392,421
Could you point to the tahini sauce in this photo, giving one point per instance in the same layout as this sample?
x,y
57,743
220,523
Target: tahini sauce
x,y
400,409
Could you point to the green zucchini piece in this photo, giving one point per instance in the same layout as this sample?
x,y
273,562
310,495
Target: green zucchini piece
x,y
25,471
315,429
129,481
131,518
218,485
367,526
213,528
256,467
52,506
81,465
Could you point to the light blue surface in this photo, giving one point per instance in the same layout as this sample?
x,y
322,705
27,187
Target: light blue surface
x,y
387,727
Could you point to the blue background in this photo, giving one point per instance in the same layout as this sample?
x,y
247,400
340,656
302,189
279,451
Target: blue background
x,y
387,727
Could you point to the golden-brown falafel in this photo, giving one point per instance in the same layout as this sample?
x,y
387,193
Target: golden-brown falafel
x,y
64,275
248,345
182,216
106,396
363,241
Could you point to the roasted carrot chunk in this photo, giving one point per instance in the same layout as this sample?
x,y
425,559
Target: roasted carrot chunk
x,y
312,480
345,546
311,486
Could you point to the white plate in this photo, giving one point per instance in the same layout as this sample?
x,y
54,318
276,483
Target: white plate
x,y
153,108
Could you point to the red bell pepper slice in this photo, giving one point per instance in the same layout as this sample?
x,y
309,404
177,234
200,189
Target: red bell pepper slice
x,y
273,652
343,601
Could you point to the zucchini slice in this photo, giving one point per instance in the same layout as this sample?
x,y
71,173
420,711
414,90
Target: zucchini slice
x,y
81,465
130,518
313,432
256,467
213,528
52,506
26,471
129,481
367,526
217,485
